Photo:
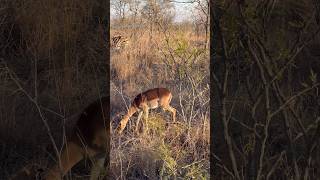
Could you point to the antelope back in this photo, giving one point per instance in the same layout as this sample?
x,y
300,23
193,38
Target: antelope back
x,y
93,127
163,94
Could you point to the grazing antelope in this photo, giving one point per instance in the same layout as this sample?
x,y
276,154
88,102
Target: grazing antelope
x,y
119,42
90,138
151,99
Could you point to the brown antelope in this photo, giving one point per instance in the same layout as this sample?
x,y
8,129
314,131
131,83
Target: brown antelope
x,y
90,138
151,99
119,42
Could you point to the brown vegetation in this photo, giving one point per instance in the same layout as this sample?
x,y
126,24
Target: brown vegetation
x,y
53,64
266,98
161,53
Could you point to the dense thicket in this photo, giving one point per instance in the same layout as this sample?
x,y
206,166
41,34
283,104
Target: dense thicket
x,y
266,106
53,63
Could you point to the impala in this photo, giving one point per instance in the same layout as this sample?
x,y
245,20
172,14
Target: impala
x,y
151,99
119,42
90,138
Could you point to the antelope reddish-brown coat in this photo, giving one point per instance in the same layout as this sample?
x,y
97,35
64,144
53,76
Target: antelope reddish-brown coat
x,y
90,138
150,99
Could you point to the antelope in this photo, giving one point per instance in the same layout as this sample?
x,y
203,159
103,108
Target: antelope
x,y
90,138
150,99
119,42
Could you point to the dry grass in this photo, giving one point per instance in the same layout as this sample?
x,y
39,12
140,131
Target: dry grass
x,y
55,52
178,60
161,152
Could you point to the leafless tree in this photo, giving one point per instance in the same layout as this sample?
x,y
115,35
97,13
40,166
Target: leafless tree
x,y
120,7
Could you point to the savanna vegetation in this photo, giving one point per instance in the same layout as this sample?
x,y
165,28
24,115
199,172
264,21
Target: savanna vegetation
x,y
161,53
53,63
265,115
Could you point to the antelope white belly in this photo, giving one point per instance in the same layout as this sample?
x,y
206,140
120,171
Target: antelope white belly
x,y
153,103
